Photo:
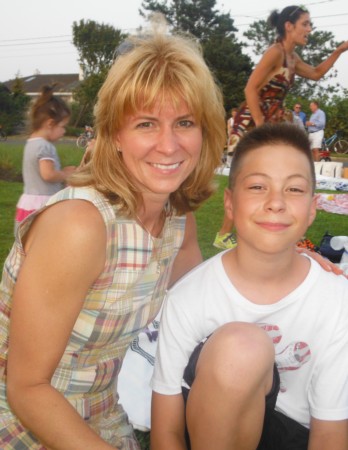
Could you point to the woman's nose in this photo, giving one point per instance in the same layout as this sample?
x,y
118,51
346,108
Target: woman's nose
x,y
167,141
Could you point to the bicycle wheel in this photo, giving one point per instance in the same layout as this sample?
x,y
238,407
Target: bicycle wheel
x,y
341,146
3,136
82,141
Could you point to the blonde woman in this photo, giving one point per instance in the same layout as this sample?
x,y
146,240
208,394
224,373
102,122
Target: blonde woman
x,y
89,271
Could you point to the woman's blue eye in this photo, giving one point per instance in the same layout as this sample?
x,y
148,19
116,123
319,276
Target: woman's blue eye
x,y
144,125
186,123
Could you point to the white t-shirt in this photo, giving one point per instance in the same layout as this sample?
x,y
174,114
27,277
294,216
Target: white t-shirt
x,y
309,328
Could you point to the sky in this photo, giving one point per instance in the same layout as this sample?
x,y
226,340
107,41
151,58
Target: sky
x,y
36,35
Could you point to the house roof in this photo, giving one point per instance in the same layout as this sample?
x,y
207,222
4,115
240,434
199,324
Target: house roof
x,y
65,83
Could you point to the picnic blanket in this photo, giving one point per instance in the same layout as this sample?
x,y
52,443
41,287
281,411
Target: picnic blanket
x,y
331,183
333,203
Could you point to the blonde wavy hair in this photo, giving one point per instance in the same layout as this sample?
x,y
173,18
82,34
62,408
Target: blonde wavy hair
x,y
149,69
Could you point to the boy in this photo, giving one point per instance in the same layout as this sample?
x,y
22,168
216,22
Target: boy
x,y
270,327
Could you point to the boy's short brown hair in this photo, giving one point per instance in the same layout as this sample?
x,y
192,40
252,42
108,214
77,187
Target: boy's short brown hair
x,y
270,134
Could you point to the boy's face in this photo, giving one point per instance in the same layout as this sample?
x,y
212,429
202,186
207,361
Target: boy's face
x,y
272,203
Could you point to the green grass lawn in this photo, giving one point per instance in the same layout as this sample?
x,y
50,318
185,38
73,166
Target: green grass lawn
x,y
208,217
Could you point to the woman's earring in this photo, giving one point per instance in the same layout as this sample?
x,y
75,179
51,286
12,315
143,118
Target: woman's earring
x,y
118,149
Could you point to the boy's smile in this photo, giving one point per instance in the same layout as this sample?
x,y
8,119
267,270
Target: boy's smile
x,y
272,202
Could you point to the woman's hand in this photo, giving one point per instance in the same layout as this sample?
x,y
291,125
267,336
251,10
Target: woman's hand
x,y
325,263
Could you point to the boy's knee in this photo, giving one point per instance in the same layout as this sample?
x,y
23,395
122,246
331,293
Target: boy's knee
x,y
237,351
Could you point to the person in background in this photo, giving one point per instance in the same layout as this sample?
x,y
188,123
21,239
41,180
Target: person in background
x,y
299,117
229,128
274,75
89,271
316,126
253,343
41,168
224,238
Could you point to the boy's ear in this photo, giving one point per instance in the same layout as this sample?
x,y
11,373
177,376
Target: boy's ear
x,y
313,209
228,203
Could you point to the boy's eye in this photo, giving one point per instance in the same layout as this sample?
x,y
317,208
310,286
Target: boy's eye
x,y
296,189
256,187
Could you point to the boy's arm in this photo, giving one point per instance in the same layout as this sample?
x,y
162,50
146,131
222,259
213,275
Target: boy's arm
x,y
167,422
326,435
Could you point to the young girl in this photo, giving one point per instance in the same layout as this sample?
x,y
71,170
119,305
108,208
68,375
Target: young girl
x,y
42,173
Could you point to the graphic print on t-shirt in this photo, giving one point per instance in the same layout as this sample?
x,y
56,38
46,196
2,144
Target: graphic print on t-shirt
x,y
292,357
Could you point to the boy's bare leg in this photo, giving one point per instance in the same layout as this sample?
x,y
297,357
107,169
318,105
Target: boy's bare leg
x,y
226,404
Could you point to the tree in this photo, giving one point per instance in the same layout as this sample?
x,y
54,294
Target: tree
x,y
320,45
96,45
85,97
336,114
13,106
216,33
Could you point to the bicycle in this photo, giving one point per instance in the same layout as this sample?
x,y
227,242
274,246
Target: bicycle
x,y
335,144
84,138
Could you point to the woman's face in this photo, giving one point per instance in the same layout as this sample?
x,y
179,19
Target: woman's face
x,y
301,29
160,146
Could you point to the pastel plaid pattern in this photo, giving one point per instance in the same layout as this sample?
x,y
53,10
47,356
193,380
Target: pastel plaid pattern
x,y
122,301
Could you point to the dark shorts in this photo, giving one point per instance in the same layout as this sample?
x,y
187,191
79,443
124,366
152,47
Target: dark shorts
x,y
279,431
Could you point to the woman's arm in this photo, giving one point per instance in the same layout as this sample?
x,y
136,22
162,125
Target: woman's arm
x,y
65,252
269,64
315,73
189,254
167,422
326,435
51,175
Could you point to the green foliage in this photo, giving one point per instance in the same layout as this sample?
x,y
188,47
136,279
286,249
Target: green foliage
x,y
85,97
73,131
216,33
230,66
13,106
337,113
260,36
96,45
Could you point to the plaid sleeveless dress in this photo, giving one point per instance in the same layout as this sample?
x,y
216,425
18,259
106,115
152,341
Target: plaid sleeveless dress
x,y
123,300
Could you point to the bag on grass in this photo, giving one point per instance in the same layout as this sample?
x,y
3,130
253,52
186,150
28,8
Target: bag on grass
x,y
327,251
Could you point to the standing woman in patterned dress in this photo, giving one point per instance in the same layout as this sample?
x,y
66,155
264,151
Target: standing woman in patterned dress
x,y
89,271
271,80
